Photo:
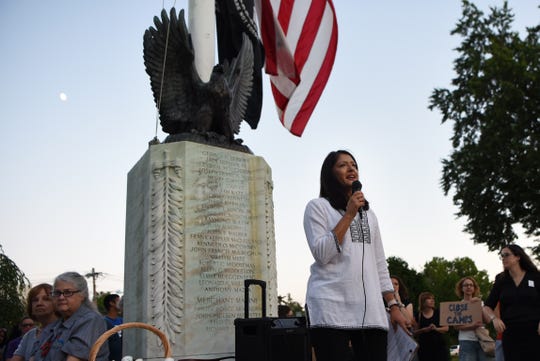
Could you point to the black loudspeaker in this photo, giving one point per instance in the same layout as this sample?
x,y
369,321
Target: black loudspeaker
x,y
270,338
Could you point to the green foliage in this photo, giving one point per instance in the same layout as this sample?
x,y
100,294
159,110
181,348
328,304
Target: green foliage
x,y
13,287
495,108
99,302
294,305
440,277
412,279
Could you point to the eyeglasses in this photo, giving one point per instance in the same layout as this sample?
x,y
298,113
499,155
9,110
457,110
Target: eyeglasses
x,y
467,285
504,255
27,325
65,293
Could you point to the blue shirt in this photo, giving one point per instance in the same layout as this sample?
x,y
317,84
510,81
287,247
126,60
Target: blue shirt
x,y
76,336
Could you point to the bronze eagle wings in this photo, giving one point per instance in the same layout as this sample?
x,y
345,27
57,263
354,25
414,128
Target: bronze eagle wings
x,y
186,103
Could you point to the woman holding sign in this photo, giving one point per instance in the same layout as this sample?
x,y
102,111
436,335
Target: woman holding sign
x,y
518,291
469,348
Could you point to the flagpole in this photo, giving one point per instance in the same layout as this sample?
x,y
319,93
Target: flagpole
x,y
202,26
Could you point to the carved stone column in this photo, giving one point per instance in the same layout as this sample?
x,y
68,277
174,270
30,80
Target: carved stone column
x,y
199,221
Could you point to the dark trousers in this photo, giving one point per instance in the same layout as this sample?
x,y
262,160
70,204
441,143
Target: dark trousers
x,y
332,344
520,342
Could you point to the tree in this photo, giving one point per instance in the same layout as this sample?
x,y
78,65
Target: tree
x,y
295,306
98,300
440,277
412,279
13,287
495,106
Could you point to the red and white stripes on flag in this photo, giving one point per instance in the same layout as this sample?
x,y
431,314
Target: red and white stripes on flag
x,y
300,41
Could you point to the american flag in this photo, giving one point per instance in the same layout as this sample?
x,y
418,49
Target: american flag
x,y
300,41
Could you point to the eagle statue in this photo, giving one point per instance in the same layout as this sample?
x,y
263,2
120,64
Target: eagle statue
x,y
186,104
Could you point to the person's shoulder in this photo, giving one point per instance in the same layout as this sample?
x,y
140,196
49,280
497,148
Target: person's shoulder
x,y
86,313
51,326
15,341
31,333
318,202
113,321
532,275
500,277
317,206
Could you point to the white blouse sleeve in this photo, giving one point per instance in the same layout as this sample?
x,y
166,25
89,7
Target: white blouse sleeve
x,y
319,233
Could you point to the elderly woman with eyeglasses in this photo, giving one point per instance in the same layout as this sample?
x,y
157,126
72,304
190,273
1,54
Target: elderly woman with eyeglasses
x,y
80,324
517,290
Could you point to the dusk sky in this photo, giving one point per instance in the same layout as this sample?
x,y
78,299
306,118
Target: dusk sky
x,y
77,113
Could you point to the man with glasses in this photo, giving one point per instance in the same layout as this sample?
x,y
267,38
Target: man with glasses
x,y
25,325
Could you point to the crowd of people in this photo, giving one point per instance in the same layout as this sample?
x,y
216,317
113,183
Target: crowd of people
x,y
350,291
352,301
62,324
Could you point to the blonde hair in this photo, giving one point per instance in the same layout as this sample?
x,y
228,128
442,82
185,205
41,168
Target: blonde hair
x,y
459,287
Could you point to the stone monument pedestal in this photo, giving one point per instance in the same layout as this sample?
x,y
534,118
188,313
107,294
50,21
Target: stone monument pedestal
x,y
199,221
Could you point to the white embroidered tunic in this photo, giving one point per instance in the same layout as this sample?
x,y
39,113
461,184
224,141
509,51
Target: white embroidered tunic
x,y
347,278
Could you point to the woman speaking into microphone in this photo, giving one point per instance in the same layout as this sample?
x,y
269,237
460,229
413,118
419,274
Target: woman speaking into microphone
x,y
349,280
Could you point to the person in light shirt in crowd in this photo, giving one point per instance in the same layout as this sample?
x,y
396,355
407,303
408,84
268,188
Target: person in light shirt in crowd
x,y
469,348
39,306
80,324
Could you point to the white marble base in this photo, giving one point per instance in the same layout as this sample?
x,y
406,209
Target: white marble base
x,y
199,221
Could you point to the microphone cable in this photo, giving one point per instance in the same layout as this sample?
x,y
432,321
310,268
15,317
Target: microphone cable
x,y
363,281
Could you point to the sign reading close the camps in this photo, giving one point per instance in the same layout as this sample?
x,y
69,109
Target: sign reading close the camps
x,y
460,313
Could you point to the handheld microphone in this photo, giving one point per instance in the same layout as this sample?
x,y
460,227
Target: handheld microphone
x,y
357,187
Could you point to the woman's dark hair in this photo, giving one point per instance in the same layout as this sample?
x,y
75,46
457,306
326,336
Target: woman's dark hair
x,y
331,189
525,261
403,292
111,297
4,339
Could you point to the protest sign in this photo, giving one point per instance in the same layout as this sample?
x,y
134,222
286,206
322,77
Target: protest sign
x,y
460,313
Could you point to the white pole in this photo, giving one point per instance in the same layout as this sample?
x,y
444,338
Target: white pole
x,y
202,26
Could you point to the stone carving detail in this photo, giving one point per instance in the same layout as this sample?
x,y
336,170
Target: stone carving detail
x,y
166,247
270,240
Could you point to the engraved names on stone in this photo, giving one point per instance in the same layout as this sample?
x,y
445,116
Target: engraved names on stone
x,y
220,249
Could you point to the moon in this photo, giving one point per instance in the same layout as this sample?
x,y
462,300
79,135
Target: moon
x,y
63,96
